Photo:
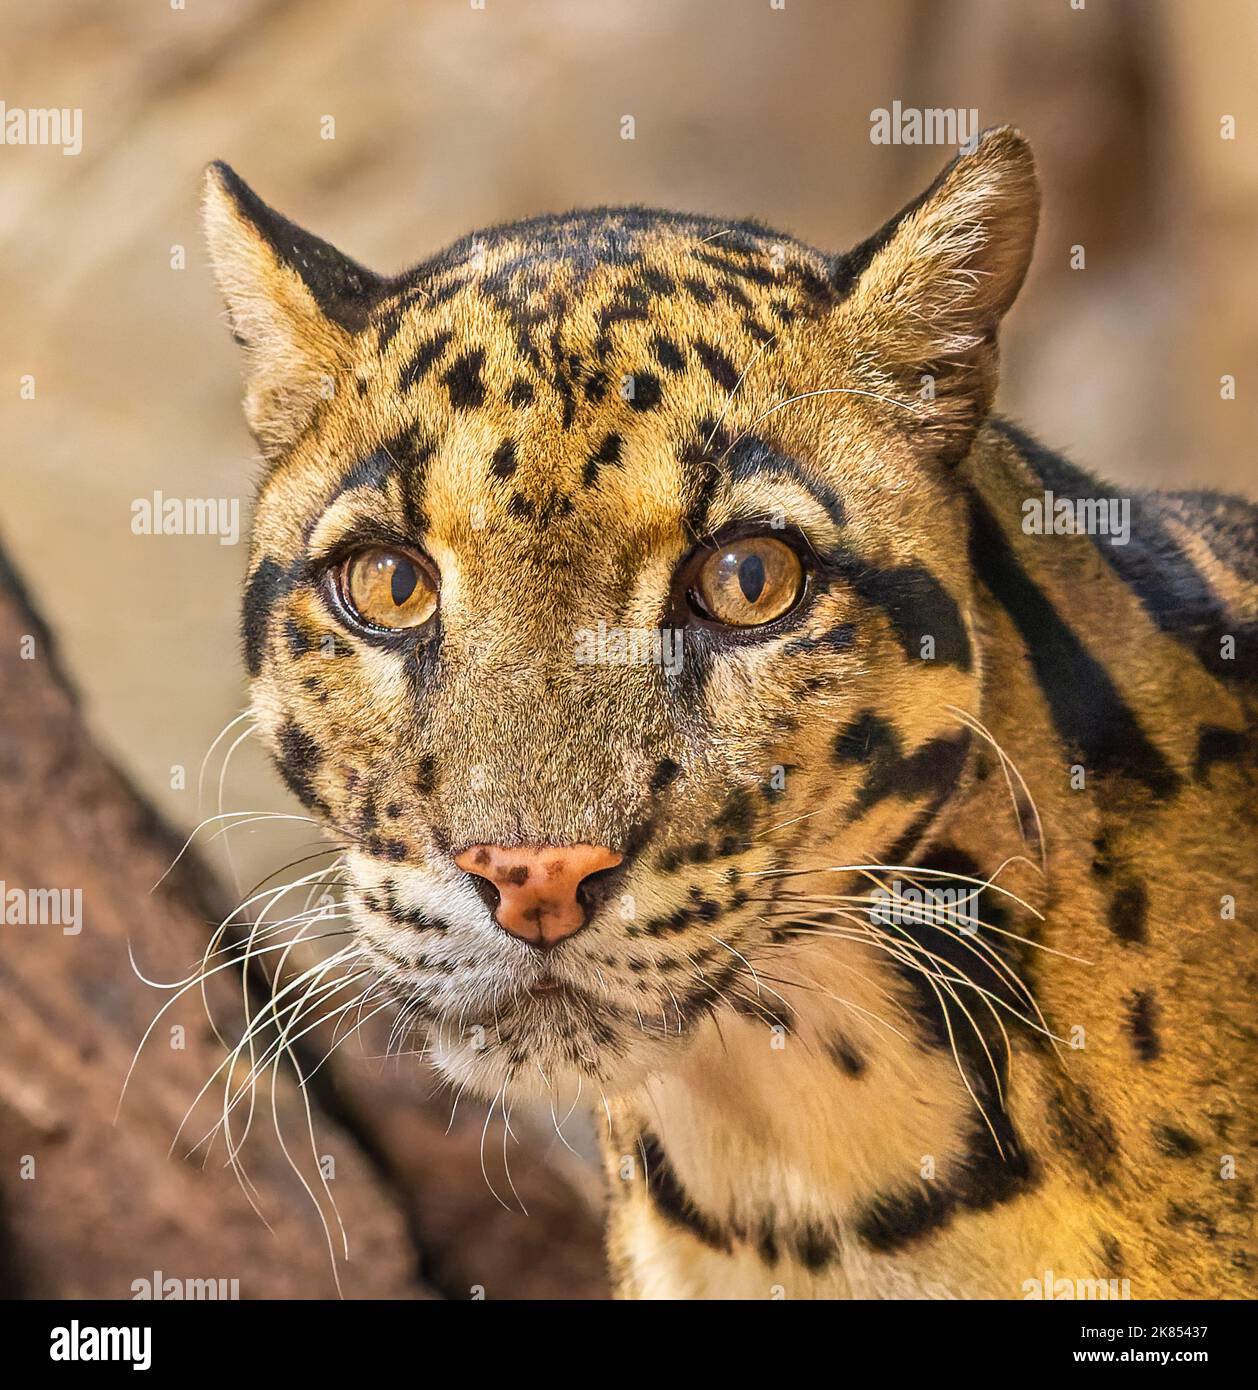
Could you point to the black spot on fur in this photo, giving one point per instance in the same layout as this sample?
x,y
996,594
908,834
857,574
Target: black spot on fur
x,y
867,738
666,773
657,282
816,1247
668,354
1185,1214
541,514
702,477
1102,855
1216,744
905,845
606,455
705,909
1127,912
298,643
773,788
749,270
298,758
410,916
934,925
646,391
410,452
1084,1132
426,775
847,1057
839,639
757,330
631,308
738,815
520,394
750,457
932,770
736,295
390,320
1174,1142
896,1219
699,291
1142,1019
664,926
986,1179
504,462
463,381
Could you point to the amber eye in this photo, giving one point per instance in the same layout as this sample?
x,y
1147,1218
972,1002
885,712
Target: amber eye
x,y
388,588
748,582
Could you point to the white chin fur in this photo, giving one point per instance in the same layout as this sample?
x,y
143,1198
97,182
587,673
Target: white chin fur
x,y
548,1074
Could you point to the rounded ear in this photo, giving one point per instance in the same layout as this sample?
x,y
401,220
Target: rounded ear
x,y
294,302
925,294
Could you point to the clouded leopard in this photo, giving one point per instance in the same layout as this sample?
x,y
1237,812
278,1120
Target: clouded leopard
x,y
731,729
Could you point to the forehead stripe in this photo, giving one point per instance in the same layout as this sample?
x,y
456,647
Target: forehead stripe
x,y
668,354
427,355
463,381
373,471
751,457
718,366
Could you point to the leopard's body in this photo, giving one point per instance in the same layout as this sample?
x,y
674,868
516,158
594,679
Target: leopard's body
x,y
801,1095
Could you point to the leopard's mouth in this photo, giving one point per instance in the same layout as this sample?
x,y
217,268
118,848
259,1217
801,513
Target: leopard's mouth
x,y
551,988
549,994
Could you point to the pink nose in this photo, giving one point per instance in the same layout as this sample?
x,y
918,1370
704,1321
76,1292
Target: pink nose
x,y
537,886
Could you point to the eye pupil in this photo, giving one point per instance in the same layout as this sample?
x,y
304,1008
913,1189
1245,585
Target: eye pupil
x,y
751,578
402,585
386,588
748,582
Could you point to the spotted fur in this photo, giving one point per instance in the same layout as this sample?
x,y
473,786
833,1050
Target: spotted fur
x,y
558,412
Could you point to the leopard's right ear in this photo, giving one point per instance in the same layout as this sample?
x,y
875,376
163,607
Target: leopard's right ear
x,y
924,296
294,303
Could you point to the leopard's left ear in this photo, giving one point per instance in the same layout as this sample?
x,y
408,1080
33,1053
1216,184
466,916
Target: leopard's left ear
x,y
294,301
925,295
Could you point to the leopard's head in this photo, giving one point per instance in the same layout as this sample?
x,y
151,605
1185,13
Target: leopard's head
x,y
607,570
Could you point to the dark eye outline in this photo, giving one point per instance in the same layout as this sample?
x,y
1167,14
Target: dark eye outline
x,y
336,575
688,609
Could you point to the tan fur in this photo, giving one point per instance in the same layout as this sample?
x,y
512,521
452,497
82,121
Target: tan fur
x,y
559,414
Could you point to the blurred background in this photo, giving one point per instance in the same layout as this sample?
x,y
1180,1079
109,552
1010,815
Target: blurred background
x,y
446,114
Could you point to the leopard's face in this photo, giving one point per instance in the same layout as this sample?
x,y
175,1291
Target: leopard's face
x,y
575,635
